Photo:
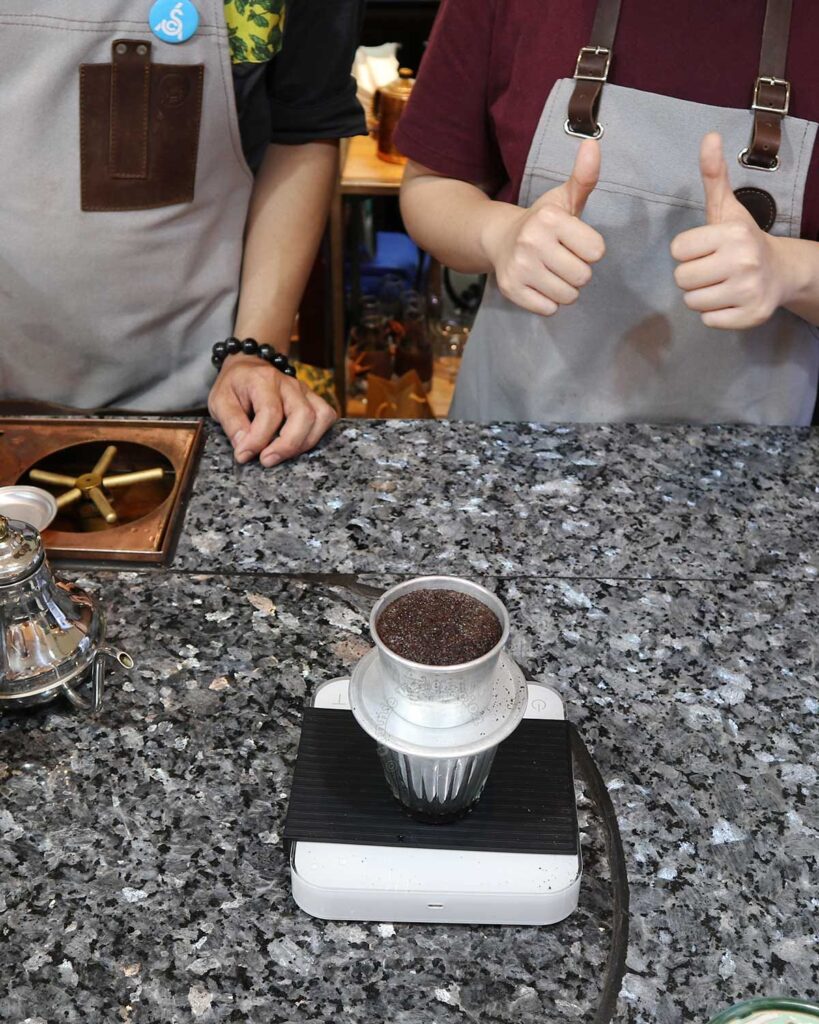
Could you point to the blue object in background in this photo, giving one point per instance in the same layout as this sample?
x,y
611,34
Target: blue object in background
x,y
395,253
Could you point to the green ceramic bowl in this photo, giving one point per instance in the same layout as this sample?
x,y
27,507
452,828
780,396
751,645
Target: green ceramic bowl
x,y
770,1011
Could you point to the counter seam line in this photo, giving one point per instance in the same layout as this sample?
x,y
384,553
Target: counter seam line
x,y
345,579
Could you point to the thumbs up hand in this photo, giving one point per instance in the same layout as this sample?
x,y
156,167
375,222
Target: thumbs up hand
x,y
542,256
730,270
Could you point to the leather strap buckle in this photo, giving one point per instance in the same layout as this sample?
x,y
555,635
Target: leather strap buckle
x,y
593,63
765,95
592,72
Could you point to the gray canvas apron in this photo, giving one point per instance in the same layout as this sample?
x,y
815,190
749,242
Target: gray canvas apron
x,y
115,306
630,350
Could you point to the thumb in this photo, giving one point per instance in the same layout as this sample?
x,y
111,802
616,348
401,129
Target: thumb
x,y
227,409
720,201
584,178
573,195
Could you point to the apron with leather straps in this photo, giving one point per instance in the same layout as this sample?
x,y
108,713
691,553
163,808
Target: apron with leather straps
x,y
125,194
630,350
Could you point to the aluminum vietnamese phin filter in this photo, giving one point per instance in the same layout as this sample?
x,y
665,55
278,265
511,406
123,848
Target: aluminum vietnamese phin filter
x,y
438,727
770,1011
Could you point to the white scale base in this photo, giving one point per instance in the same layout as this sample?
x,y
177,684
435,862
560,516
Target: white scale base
x,y
341,882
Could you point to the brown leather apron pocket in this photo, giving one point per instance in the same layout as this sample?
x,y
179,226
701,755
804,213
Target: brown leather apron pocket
x,y
139,130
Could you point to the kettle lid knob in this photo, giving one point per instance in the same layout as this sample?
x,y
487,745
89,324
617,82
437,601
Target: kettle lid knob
x,y
21,550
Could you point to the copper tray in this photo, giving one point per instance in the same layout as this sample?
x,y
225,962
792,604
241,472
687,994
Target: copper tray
x,y
151,514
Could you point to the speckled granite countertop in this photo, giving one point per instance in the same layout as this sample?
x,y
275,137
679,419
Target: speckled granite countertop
x,y
142,876
422,496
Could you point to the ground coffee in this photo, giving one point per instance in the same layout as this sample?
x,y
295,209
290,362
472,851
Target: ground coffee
x,y
438,627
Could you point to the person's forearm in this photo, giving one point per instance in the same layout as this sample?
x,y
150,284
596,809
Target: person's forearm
x,y
799,259
287,216
453,220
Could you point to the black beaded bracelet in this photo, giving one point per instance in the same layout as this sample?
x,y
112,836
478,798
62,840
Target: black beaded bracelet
x,y
251,347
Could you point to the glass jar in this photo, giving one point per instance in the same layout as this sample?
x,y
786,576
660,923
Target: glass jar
x,y
391,296
414,348
368,350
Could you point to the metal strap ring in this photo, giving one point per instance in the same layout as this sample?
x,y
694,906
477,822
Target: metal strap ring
x,y
742,158
567,128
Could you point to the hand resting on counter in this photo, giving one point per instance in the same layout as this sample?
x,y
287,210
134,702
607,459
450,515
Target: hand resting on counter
x,y
265,413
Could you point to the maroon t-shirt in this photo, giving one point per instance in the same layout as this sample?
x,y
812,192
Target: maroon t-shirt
x,y
491,65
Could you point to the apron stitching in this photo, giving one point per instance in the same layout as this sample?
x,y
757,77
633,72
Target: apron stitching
x,y
555,108
546,128
615,187
98,29
546,122
82,132
632,192
13,16
798,177
230,99
170,201
800,150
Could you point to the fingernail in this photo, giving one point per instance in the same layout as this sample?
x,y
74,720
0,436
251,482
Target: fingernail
x,y
237,437
243,456
271,460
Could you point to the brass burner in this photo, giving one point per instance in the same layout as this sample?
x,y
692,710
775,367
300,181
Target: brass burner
x,y
90,485
121,484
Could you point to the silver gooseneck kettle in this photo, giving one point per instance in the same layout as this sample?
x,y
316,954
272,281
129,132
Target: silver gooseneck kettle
x,y
51,633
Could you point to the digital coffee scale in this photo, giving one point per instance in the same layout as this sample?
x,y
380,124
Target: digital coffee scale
x,y
357,855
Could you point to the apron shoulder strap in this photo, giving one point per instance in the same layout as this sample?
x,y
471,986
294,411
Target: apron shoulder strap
x,y
772,92
592,72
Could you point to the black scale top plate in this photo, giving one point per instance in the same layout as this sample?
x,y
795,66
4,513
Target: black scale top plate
x,y
339,794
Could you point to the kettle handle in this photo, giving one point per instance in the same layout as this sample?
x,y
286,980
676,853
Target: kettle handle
x,y
101,655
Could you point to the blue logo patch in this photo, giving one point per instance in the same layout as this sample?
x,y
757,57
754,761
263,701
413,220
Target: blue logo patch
x,y
173,21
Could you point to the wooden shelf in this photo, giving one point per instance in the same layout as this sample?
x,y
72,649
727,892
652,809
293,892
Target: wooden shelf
x,y
364,174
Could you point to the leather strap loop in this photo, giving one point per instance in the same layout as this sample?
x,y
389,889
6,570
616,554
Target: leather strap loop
x,y
130,99
592,71
772,92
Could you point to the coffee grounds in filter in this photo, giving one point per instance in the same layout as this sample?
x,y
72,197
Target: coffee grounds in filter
x,y
438,627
